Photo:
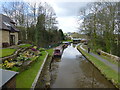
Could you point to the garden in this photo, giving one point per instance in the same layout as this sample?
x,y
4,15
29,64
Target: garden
x,y
22,60
6,52
27,62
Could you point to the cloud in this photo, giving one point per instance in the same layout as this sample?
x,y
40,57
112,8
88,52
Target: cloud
x,y
66,11
67,15
70,8
68,24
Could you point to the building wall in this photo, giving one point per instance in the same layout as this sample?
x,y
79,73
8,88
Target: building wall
x,y
11,84
16,37
0,38
4,37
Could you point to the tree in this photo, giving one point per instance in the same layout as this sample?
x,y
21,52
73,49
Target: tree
x,y
62,37
99,24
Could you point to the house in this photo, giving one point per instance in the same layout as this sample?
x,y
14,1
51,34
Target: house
x,y
8,79
8,32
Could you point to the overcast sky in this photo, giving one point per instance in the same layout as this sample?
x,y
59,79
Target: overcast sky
x,y
66,11
67,14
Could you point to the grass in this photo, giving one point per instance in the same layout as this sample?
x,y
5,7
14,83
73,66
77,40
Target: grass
x,y
67,40
25,45
85,47
106,70
6,52
110,60
15,69
50,51
26,78
104,57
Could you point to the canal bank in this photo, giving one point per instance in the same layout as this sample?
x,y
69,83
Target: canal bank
x,y
110,74
44,78
74,71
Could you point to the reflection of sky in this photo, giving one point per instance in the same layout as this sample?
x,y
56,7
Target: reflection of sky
x,y
71,52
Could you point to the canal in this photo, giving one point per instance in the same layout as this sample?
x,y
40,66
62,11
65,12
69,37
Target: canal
x,y
73,70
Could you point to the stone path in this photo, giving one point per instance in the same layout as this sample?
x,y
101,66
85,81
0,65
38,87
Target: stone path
x,y
111,65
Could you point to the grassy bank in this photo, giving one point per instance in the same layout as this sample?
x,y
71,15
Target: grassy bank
x,y
25,45
50,51
6,52
109,73
45,70
104,57
26,78
67,40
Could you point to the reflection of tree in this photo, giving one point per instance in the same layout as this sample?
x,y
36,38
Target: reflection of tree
x,y
54,72
86,68
96,78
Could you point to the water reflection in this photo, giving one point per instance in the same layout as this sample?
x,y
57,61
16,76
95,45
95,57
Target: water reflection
x,y
74,71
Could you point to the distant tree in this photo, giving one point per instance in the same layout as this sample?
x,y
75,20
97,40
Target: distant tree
x,y
62,37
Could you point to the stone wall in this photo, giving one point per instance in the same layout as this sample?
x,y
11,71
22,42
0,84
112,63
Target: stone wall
x,y
0,38
4,37
11,84
113,57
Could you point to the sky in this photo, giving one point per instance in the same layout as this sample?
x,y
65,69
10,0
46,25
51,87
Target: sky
x,y
66,12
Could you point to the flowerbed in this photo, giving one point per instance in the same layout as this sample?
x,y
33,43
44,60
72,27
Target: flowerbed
x,y
23,59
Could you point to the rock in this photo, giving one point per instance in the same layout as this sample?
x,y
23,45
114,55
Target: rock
x,y
47,85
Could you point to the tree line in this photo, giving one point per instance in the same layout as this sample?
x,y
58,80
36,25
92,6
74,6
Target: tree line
x,y
101,21
37,22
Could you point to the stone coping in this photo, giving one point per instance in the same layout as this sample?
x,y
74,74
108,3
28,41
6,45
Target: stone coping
x,y
39,72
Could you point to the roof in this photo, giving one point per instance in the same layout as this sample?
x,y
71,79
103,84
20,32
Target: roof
x,y
6,76
7,24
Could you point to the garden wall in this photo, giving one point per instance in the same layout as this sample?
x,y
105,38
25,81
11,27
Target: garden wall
x,y
113,57
39,72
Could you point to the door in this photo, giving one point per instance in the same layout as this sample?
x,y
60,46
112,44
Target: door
x,y
12,39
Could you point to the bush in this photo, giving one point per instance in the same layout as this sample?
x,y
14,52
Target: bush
x,y
5,44
41,49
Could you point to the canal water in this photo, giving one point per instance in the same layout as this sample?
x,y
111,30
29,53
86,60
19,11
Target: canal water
x,y
73,70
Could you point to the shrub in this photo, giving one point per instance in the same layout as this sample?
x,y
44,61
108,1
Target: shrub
x,y
33,49
41,49
5,44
